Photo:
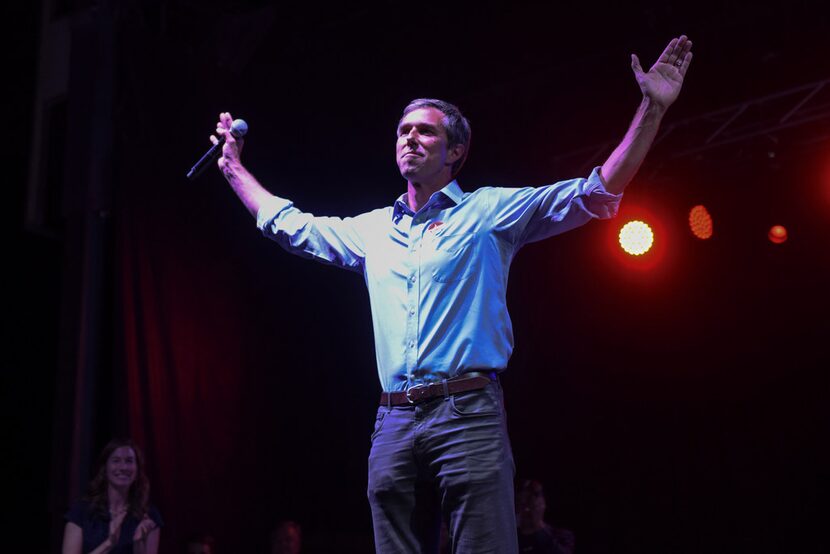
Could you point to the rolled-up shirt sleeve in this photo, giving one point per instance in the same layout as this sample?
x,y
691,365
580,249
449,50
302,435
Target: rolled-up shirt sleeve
x,y
331,240
529,214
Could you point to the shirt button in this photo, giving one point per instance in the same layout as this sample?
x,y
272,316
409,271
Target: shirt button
x,y
412,311
412,278
411,344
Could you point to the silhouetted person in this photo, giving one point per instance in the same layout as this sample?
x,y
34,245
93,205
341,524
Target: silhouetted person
x,y
286,538
536,536
115,516
201,544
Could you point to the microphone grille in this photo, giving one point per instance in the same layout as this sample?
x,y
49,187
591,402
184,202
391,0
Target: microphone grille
x,y
239,128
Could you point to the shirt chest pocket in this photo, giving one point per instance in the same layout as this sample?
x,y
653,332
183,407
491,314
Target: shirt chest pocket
x,y
450,258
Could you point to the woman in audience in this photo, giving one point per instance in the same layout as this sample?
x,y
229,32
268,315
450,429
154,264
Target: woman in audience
x,y
115,516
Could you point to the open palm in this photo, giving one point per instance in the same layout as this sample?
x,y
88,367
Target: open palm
x,y
662,83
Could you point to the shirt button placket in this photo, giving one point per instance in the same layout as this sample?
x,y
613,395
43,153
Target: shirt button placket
x,y
412,302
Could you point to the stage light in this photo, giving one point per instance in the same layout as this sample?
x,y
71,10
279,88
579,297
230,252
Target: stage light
x,y
700,222
636,237
777,234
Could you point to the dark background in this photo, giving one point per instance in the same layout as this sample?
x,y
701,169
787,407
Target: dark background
x,y
675,404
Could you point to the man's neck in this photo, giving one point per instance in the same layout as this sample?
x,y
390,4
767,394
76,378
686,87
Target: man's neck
x,y
418,194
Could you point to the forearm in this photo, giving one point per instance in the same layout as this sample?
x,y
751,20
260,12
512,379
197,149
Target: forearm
x,y
625,160
104,547
73,541
147,545
245,185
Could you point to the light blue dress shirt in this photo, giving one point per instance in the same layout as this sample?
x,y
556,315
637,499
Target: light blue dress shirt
x,y
437,278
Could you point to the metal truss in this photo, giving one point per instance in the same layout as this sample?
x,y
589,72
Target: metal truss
x,y
739,123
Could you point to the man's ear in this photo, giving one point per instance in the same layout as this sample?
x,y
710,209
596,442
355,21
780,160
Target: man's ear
x,y
455,153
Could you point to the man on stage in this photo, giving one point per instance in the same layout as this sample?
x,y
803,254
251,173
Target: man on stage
x,y
436,265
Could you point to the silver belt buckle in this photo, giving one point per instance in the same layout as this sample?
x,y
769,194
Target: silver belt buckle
x,y
409,395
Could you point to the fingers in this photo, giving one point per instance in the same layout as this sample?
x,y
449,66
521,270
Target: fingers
x,y
233,146
144,528
667,51
687,48
221,123
222,127
687,59
682,56
683,47
675,52
225,134
635,64
225,121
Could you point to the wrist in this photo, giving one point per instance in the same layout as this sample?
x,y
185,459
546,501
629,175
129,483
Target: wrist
x,y
651,104
231,168
651,111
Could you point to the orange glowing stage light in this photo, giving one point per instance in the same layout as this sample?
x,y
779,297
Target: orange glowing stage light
x,y
636,237
700,222
777,234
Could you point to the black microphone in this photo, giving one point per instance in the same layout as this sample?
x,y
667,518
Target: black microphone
x,y
238,130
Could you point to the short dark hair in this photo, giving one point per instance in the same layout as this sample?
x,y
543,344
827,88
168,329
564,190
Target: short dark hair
x,y
455,124
531,486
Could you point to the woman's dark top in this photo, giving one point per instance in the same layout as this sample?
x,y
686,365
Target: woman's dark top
x,y
96,526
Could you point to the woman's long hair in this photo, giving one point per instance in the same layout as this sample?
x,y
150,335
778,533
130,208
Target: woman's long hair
x,y
139,493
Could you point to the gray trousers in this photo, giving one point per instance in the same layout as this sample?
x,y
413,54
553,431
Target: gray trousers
x,y
447,457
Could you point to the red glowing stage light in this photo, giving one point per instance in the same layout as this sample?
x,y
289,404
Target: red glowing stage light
x,y
636,237
777,234
700,222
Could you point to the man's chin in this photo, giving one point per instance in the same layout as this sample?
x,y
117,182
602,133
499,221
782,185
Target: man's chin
x,y
410,174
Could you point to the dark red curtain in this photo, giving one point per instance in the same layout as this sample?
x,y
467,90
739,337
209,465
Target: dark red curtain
x,y
249,374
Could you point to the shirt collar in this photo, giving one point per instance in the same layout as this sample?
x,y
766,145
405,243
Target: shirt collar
x,y
451,191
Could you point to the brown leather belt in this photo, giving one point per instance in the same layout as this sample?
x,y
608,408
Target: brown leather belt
x,y
472,380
